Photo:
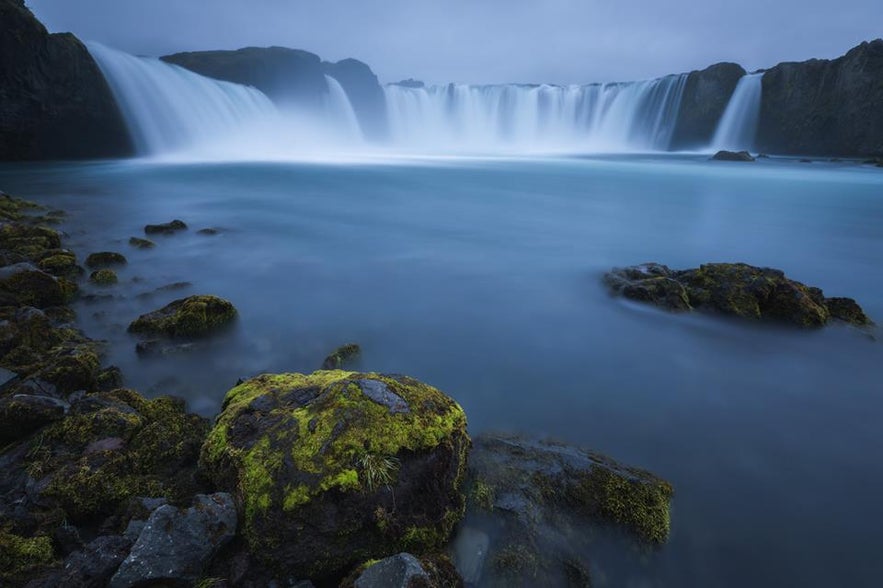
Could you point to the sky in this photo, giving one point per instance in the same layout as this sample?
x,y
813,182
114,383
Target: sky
x,y
487,41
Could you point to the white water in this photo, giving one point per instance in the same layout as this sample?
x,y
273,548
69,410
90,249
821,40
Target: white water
x,y
637,116
738,125
173,112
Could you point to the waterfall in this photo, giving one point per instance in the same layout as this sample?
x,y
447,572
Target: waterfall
x,y
168,108
339,109
738,125
638,116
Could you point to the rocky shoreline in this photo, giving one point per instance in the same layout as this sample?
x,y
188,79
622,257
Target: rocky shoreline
x,y
325,479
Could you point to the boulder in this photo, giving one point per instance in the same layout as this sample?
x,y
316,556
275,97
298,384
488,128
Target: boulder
x,y
176,545
732,156
340,356
706,95
105,259
22,414
825,107
398,571
61,263
103,277
54,101
371,464
187,317
735,289
25,285
141,243
168,228
90,567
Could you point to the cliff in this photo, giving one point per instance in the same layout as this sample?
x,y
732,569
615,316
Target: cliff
x,y
825,107
54,102
705,98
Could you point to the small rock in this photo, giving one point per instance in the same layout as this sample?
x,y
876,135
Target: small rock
x,y
398,571
208,232
187,317
341,355
141,243
103,277
176,545
104,259
732,156
166,228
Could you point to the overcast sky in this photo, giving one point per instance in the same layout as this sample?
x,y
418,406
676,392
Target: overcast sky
x,y
489,41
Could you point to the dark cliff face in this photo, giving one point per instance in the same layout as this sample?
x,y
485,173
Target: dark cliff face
x,y
54,102
825,107
292,76
706,95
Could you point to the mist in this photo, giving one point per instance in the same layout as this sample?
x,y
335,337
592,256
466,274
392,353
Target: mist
x,y
487,41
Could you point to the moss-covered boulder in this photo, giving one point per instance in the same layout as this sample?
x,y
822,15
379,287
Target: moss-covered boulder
x,y
103,277
27,240
340,356
105,259
24,285
335,468
139,243
188,317
60,263
735,289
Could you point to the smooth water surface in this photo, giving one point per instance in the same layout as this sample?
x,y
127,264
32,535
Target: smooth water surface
x,y
482,277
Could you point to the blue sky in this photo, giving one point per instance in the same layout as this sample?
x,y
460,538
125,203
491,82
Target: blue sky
x,y
487,41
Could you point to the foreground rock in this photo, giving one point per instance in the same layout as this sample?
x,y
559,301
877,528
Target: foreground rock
x,y
536,509
370,464
187,317
735,289
732,156
176,545
54,102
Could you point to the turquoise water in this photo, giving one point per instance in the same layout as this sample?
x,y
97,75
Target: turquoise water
x,y
482,277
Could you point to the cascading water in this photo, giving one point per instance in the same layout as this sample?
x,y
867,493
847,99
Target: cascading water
x,y
340,110
168,108
598,117
738,125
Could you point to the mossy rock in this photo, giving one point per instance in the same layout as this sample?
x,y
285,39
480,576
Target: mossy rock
x,y
29,241
166,228
188,317
105,259
735,289
114,446
22,557
60,263
103,277
141,243
371,464
14,209
340,356
27,286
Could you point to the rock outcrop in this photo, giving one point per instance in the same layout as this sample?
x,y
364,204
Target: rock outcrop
x,y
732,156
54,101
735,289
370,464
825,107
705,98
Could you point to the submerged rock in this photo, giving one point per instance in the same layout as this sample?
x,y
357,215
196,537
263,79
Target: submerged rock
x,y
735,289
141,243
732,156
166,228
176,545
188,317
103,277
340,356
105,259
371,464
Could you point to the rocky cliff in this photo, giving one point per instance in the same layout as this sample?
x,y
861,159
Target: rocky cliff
x,y
54,102
706,94
292,76
825,107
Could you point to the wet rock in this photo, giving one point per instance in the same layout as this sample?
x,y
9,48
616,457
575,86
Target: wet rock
x,y
398,571
166,228
110,378
735,289
208,232
25,285
103,277
22,414
141,243
368,476
94,565
188,317
176,545
732,156
61,264
340,356
105,259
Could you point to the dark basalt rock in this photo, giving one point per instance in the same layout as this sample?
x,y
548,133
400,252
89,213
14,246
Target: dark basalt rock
x,y
340,356
706,95
176,545
825,107
732,156
54,101
735,289
105,259
90,567
187,317
316,452
166,228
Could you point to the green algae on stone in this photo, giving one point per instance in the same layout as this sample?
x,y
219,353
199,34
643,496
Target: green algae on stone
x,y
21,557
105,258
297,449
60,263
103,277
187,317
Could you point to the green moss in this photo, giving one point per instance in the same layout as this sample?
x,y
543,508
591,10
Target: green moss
x,y
61,263
187,317
516,560
19,556
105,258
340,356
103,277
483,495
